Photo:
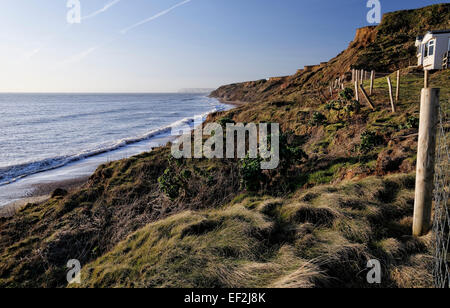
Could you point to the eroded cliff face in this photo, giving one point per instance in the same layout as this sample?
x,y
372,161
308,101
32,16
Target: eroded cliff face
x,y
306,79
364,37
384,48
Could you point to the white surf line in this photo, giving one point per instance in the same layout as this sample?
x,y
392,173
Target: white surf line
x,y
125,30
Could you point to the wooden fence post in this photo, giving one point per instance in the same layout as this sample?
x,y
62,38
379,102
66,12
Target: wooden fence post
x,y
367,97
331,91
397,92
372,77
391,96
429,110
356,91
425,79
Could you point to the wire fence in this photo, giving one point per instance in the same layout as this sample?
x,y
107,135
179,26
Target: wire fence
x,y
441,226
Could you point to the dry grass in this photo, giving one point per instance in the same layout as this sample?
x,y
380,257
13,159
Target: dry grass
x,y
262,242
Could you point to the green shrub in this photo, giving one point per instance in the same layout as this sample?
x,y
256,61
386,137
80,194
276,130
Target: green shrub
x,y
352,106
226,120
186,174
169,184
369,140
347,94
318,119
345,106
333,105
411,122
251,173
290,152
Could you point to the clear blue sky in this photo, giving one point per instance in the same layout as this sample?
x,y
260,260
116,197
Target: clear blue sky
x,y
201,43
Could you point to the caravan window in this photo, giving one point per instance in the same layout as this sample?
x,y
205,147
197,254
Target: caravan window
x,y
429,49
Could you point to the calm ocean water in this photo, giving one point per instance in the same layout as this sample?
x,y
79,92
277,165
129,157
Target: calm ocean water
x,y
40,132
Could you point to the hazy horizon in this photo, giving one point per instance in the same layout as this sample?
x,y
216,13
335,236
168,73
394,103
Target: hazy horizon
x,y
158,46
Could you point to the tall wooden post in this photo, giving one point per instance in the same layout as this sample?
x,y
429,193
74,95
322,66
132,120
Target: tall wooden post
x,y
372,77
391,95
397,92
356,91
429,110
425,79
362,77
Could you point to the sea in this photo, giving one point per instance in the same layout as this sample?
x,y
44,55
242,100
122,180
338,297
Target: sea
x,y
47,138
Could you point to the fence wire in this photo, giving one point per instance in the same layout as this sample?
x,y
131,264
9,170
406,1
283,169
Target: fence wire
x,y
441,227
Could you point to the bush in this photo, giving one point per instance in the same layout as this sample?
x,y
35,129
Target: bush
x,y
345,106
352,106
251,173
347,94
186,174
411,122
168,184
318,119
290,153
333,105
226,120
369,140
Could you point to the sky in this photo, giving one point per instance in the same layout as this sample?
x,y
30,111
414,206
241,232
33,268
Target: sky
x,y
166,45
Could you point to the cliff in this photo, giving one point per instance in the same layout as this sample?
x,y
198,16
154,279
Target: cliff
x,y
384,48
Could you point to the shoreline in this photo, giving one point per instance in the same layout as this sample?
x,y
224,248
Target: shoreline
x,y
37,188
41,193
231,103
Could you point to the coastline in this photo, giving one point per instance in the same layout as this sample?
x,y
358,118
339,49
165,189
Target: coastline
x,y
37,188
231,103
41,193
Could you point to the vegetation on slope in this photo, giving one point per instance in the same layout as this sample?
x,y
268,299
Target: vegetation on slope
x,y
319,238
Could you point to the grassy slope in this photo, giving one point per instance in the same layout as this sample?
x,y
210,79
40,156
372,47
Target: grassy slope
x,y
203,238
322,237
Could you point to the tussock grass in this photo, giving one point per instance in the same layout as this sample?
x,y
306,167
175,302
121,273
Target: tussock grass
x,y
319,238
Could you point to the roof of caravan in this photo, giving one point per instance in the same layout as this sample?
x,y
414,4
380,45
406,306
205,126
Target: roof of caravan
x,y
421,37
439,31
